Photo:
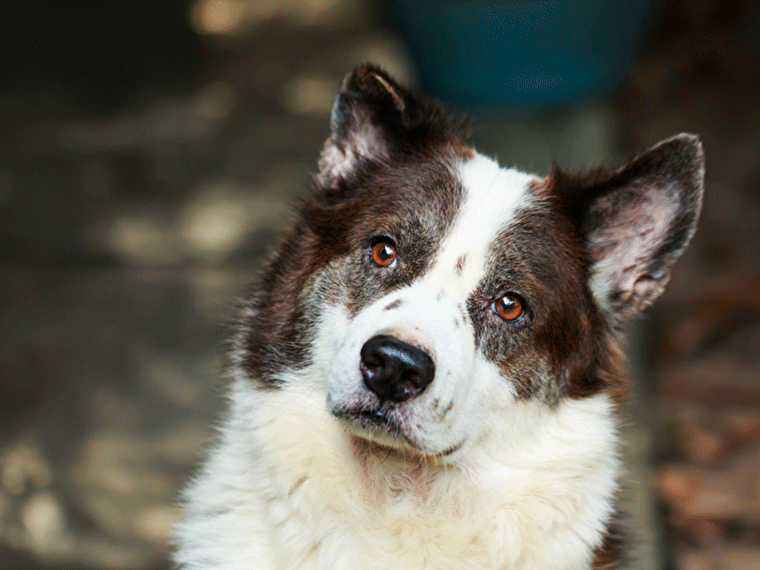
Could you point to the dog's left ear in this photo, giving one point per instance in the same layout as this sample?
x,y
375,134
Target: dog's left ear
x,y
366,116
636,221
373,117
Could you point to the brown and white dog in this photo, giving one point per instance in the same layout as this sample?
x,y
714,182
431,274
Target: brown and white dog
x,y
426,375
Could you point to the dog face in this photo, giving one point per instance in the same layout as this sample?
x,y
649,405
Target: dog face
x,y
425,291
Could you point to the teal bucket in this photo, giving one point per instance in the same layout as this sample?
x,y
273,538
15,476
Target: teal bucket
x,y
518,53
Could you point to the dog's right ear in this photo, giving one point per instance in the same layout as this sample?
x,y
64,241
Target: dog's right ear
x,y
368,114
373,117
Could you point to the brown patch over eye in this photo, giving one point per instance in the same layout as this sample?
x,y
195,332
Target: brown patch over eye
x,y
383,254
509,307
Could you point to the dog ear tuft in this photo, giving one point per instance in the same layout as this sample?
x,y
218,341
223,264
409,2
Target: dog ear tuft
x,y
636,221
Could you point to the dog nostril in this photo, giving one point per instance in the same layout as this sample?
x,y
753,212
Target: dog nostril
x,y
395,370
410,376
371,362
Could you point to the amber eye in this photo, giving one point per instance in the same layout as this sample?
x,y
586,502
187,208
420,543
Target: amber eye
x,y
383,254
509,307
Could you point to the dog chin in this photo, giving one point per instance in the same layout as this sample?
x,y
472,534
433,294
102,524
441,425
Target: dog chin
x,y
377,425
386,431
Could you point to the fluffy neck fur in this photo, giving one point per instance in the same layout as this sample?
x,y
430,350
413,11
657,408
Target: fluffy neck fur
x,y
284,493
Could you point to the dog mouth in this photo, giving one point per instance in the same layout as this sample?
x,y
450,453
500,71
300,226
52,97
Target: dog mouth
x,y
380,423
374,421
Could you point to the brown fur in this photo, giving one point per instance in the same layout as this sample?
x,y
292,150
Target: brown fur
x,y
610,554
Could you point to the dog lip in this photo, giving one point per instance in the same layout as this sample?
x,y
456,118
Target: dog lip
x,y
453,449
377,419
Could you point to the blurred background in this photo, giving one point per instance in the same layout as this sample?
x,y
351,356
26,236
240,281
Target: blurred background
x,y
149,153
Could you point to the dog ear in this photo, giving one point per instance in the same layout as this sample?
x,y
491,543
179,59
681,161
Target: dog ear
x,y
636,221
366,116
374,117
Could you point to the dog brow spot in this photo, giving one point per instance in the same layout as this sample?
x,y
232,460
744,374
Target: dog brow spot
x,y
463,312
393,305
459,267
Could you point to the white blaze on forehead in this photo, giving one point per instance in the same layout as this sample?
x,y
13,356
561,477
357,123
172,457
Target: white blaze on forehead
x,y
492,196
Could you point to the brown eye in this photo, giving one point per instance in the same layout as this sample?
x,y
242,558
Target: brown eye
x,y
383,254
509,307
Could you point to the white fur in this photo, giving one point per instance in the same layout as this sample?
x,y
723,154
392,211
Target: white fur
x,y
288,486
493,195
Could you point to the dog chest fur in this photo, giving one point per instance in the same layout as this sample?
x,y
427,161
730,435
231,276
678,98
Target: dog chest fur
x,y
306,497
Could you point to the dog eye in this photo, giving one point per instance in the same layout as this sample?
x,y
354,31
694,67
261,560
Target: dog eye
x,y
383,254
509,307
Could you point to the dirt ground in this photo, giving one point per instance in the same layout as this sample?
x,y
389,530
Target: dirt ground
x,y
147,161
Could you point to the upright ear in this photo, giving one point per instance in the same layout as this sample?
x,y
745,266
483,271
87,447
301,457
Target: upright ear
x,y
374,117
636,221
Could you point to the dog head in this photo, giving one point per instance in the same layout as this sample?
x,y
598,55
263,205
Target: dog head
x,y
425,291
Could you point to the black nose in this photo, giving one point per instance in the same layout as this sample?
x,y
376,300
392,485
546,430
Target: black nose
x,y
395,370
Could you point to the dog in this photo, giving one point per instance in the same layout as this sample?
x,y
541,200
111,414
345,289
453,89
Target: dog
x,y
427,373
